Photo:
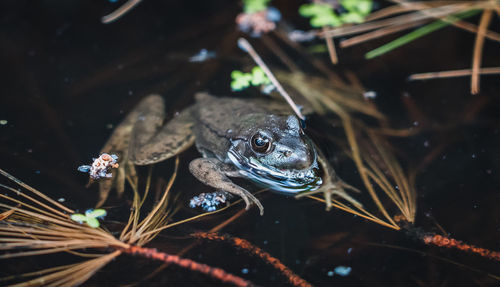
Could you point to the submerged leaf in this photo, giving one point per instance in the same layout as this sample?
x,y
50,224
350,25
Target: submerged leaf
x,y
253,6
96,213
92,222
321,15
78,217
259,77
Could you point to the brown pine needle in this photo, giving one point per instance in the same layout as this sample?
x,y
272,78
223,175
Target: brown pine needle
x,y
37,228
6,214
122,10
453,74
451,20
478,50
379,33
331,48
250,50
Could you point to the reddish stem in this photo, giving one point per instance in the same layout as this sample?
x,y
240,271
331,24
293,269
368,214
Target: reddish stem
x,y
447,242
214,272
293,278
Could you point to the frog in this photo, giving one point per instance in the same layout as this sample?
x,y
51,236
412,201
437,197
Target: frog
x,y
260,140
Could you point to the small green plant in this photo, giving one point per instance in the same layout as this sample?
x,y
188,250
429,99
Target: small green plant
x,y
90,217
253,6
322,14
244,80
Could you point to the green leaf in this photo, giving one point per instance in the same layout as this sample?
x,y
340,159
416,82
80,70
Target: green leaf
x,y
97,213
352,17
259,77
309,10
78,217
321,15
252,6
360,7
93,222
240,80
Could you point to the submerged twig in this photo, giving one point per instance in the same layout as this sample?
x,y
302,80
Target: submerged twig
x,y
122,10
293,278
447,242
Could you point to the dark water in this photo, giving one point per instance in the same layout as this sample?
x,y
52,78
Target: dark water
x,y
67,80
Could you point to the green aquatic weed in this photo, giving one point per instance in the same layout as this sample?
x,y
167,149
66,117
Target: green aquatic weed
x,y
90,217
253,6
244,80
322,14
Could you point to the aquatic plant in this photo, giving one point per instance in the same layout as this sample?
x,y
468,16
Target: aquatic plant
x,y
242,80
90,217
35,224
322,14
253,6
405,15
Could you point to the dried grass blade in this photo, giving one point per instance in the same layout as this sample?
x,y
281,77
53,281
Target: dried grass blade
x,y
404,19
478,50
38,193
122,10
427,29
453,74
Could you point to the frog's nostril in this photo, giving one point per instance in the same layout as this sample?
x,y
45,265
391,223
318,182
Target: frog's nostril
x,y
287,153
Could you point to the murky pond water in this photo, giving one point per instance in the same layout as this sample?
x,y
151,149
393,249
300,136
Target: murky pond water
x,y
68,80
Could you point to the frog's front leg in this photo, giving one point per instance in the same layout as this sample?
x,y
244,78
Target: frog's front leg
x,y
214,173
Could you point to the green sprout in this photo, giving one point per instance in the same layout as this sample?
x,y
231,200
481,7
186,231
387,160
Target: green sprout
x,y
244,80
90,217
253,6
322,14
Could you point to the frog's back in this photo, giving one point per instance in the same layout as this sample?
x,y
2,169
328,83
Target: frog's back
x,y
222,119
221,113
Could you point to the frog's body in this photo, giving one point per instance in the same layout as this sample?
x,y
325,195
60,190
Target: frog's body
x,y
256,139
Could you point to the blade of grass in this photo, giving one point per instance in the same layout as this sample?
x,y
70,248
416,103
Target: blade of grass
x,y
478,50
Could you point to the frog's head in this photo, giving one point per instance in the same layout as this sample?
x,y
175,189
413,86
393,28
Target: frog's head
x,y
274,151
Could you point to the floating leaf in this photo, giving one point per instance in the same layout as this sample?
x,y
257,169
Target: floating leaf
x,y
93,222
321,15
78,217
90,217
352,18
240,80
253,6
259,77
96,213
361,7
243,80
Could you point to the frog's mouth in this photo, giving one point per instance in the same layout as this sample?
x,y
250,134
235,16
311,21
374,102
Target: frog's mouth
x,y
281,180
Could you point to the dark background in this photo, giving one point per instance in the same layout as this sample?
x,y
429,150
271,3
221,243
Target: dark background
x,y
67,80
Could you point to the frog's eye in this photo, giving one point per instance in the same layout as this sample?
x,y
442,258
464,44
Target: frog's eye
x,y
261,143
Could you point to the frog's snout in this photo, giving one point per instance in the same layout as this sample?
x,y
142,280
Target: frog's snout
x,y
296,156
